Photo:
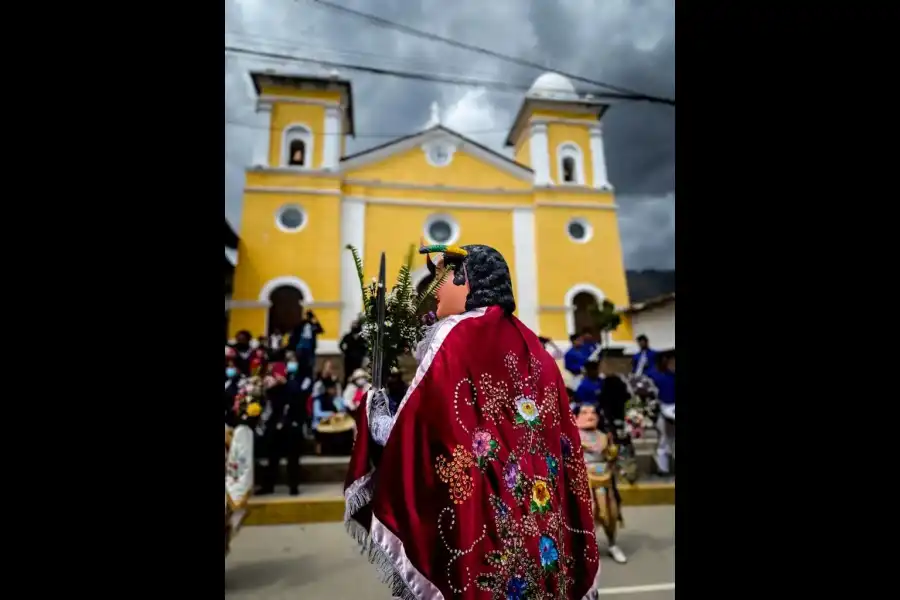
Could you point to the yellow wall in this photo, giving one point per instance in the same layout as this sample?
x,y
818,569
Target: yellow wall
x,y
600,264
312,254
391,229
523,151
411,167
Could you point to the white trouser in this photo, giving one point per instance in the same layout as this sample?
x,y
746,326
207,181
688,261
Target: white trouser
x,y
666,446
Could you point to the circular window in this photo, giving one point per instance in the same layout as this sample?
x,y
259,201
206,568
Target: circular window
x,y
579,230
439,154
290,218
441,229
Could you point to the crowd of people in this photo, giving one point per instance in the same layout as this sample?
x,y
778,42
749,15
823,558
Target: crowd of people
x,y
300,405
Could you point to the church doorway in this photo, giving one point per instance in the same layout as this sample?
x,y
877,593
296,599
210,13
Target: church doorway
x,y
286,309
584,305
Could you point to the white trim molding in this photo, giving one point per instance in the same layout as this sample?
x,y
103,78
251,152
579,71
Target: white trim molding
x,y
353,231
569,301
571,150
442,204
598,159
284,190
239,304
539,150
262,142
585,205
303,133
331,143
286,280
525,261
284,228
437,218
375,183
268,100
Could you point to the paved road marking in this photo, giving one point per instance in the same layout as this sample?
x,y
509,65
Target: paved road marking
x,y
637,589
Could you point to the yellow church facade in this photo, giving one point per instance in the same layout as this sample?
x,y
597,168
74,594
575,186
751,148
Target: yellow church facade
x,y
550,210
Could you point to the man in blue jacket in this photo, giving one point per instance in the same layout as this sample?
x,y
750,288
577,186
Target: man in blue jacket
x,y
664,378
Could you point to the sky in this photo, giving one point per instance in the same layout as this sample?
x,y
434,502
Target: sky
x,y
629,43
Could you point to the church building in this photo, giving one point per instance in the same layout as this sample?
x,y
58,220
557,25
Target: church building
x,y
548,208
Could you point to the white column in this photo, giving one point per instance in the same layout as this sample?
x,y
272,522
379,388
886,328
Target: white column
x,y
540,154
598,159
353,231
331,144
526,267
263,134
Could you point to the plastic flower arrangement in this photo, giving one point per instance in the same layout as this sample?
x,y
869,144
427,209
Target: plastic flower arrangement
x,y
403,326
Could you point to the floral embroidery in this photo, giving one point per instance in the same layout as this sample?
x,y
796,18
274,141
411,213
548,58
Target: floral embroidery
x,y
514,573
549,553
484,446
540,497
513,478
527,412
565,446
552,466
455,474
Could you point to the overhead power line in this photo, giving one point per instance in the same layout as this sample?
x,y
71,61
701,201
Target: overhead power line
x,y
487,52
382,135
430,77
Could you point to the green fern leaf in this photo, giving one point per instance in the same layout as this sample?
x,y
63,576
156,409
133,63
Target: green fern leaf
x,y
432,288
361,274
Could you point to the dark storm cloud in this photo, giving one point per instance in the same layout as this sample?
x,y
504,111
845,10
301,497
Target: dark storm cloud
x,y
630,43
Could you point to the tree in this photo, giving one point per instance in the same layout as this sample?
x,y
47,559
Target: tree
x,y
606,319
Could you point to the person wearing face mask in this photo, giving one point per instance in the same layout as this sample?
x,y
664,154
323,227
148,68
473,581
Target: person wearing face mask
x,y
232,377
243,352
355,392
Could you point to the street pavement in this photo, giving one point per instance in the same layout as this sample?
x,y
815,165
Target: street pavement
x,y
286,562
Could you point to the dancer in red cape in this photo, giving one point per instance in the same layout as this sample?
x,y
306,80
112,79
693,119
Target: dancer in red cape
x,y
477,487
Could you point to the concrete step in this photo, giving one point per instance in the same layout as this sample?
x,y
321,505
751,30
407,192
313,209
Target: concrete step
x,y
324,503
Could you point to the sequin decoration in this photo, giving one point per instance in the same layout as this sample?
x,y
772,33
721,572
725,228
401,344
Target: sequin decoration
x,y
464,393
494,395
455,474
456,553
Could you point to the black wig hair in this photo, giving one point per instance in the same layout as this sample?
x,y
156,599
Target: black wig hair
x,y
488,277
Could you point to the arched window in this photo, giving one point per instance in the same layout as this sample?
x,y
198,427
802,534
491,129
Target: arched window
x,y
570,164
297,156
297,147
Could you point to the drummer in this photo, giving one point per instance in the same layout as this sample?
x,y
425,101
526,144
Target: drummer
x,y
330,421
600,454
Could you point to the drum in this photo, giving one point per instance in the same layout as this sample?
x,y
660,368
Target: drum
x,y
335,435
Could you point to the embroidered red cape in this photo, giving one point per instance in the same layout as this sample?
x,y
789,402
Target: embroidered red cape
x,y
481,490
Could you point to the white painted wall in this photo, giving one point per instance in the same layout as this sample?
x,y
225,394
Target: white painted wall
x,y
658,324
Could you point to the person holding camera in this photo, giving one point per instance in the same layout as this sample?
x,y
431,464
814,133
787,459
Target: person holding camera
x,y
304,339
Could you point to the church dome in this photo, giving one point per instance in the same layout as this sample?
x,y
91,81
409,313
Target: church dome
x,y
552,85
